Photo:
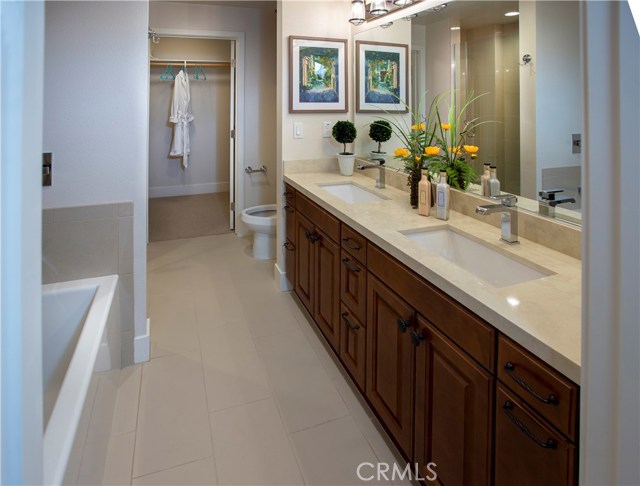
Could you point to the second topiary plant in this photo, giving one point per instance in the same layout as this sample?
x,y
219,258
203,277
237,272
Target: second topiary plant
x,y
379,131
345,132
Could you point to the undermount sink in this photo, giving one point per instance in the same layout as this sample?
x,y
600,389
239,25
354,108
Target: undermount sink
x,y
351,193
487,263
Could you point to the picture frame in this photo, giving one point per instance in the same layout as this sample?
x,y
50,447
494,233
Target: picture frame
x,y
318,75
382,77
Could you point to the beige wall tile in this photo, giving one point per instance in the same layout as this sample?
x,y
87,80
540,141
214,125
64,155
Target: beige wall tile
x,y
85,213
47,216
125,245
125,209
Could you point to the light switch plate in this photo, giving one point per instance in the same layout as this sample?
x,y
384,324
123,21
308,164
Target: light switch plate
x,y
326,129
298,130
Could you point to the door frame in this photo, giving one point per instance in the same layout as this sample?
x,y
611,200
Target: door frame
x,y
237,180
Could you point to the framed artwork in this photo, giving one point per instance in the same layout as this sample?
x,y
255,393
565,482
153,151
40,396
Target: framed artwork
x,y
381,77
317,75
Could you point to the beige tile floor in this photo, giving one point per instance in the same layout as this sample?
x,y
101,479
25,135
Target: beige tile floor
x,y
240,388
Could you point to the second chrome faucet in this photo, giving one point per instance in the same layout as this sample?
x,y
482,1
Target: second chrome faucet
x,y
380,180
509,214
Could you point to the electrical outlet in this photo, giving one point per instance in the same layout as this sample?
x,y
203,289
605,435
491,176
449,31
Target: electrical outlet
x,y
326,129
298,131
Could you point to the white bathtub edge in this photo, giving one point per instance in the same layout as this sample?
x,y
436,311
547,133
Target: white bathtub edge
x,y
60,433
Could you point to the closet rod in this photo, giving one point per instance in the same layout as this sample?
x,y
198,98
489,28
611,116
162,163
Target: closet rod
x,y
157,62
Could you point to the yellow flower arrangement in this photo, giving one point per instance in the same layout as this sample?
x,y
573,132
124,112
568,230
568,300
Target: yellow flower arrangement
x,y
401,152
431,150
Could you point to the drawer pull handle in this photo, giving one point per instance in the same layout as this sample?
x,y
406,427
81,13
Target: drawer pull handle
x,y
416,338
288,246
345,262
354,247
312,236
348,323
288,208
287,195
403,325
549,444
510,369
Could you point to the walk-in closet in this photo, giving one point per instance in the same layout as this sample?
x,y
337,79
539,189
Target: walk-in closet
x,y
190,179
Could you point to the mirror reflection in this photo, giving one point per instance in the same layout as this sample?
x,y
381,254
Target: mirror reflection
x,y
526,57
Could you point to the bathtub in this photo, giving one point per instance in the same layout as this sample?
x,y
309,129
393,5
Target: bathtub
x,y
81,371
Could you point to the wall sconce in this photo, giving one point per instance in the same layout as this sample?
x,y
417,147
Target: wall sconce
x,y
357,12
378,7
387,25
402,3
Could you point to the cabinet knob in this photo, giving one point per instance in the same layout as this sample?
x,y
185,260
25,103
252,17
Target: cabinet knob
x,y
403,325
510,369
416,338
288,246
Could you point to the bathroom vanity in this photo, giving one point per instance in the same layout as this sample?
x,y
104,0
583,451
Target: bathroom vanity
x,y
480,379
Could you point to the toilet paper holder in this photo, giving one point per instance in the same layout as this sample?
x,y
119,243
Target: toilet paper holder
x,y
251,170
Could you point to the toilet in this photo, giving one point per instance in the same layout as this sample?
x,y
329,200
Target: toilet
x,y
262,221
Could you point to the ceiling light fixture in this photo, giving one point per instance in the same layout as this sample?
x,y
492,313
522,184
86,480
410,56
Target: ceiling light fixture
x,y
410,17
437,8
402,3
455,28
511,14
357,12
378,7
387,25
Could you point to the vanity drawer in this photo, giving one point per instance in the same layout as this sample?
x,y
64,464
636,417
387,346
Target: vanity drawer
x,y
353,285
469,332
354,243
353,345
320,217
289,195
540,386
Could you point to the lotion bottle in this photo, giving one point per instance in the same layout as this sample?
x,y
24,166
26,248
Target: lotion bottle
x,y
442,197
494,183
484,180
424,196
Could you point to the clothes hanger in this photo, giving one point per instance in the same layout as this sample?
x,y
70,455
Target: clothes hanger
x,y
168,71
200,75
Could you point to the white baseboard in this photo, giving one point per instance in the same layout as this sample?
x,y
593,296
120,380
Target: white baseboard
x,y
281,279
141,346
188,190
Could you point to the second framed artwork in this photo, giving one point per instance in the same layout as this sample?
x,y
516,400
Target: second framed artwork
x,y
381,77
317,75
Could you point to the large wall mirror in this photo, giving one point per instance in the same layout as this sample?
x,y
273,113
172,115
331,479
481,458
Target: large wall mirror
x,y
526,57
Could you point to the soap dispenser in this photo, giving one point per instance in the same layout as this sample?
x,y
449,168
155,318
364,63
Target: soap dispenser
x,y
494,183
442,197
424,196
484,180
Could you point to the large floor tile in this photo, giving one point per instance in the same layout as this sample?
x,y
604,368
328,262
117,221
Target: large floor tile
x,y
304,392
173,414
125,416
252,448
173,325
331,453
119,460
195,473
233,372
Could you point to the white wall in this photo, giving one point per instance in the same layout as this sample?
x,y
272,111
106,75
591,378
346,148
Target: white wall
x,y
208,169
527,45
259,118
558,84
95,115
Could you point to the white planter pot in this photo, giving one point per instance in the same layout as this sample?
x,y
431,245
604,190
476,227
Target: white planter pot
x,y
378,155
346,164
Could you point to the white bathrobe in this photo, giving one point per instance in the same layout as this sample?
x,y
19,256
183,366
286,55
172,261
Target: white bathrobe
x,y
181,116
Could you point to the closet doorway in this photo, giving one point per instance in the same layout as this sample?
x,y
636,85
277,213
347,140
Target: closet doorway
x,y
194,196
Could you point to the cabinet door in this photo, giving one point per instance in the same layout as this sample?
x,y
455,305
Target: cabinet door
x,y
290,261
453,410
353,285
353,345
327,288
390,378
528,451
304,261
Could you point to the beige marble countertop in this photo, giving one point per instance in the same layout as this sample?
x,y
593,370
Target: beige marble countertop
x,y
542,315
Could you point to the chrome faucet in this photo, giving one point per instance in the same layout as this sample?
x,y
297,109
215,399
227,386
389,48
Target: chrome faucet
x,y
548,202
509,211
380,181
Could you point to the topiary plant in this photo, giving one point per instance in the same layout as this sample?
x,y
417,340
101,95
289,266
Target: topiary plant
x,y
380,131
344,132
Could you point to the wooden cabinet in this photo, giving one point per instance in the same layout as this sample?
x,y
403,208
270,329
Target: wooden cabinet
x,y
453,410
353,285
390,361
317,266
289,246
353,346
528,451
